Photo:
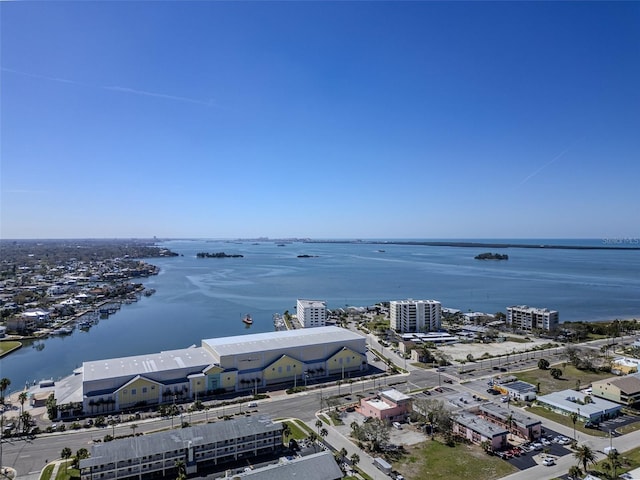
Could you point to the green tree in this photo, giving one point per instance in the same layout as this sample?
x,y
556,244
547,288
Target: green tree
x,y
575,473
66,455
81,454
543,364
180,469
355,459
286,431
574,419
556,373
613,459
324,432
318,425
584,454
4,384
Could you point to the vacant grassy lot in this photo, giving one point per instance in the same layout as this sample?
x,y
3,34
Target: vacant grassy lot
x,y
436,461
570,378
630,460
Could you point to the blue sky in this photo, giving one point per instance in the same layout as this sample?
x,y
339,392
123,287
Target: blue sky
x,y
320,119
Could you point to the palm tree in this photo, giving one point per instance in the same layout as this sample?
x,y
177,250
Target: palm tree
x,y
574,419
66,455
286,431
133,427
575,473
355,459
585,454
182,471
22,398
343,453
4,384
324,432
318,425
613,458
25,419
312,438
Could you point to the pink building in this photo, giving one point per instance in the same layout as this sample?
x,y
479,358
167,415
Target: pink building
x,y
389,405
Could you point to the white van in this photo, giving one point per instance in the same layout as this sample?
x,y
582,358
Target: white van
x,y
397,425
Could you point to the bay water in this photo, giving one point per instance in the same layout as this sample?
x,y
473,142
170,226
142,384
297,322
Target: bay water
x,y
200,298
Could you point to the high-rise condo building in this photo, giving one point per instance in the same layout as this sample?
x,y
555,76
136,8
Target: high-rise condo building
x,y
415,315
523,317
312,313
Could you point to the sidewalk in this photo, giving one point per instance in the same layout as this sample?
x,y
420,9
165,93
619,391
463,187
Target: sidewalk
x,y
338,442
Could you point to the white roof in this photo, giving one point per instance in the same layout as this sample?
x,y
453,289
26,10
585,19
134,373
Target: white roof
x,y
193,357
264,342
395,395
563,400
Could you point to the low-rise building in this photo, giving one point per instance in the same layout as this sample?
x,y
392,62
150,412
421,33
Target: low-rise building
x,y
478,430
520,390
624,390
198,447
587,407
515,421
318,466
389,405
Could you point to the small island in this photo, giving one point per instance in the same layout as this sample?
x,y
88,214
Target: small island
x,y
307,256
218,255
491,256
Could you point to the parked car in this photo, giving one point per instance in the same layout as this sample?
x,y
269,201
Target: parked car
x,y
591,425
547,462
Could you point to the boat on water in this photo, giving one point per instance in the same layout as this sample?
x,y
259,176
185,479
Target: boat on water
x,y
247,319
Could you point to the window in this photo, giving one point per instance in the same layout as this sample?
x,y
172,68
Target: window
x,y
144,389
133,391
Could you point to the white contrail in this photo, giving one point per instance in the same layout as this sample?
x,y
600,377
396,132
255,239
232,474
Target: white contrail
x,y
132,91
159,95
554,159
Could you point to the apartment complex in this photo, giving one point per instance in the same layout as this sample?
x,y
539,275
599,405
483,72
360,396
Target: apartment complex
x,y
523,317
415,315
311,313
199,447
624,390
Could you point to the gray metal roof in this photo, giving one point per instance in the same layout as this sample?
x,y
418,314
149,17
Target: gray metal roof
x,y
319,466
481,426
264,342
567,400
517,416
193,357
162,442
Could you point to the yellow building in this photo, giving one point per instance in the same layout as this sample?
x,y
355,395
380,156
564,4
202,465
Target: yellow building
x,y
237,363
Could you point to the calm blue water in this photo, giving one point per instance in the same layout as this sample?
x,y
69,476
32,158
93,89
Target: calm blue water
x,y
204,298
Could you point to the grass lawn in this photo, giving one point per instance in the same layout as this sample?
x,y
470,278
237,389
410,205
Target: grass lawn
x,y
628,428
297,431
565,420
46,473
630,461
6,347
570,378
436,461
68,473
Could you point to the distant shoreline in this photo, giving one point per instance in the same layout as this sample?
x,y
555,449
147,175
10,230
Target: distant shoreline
x,y
477,244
